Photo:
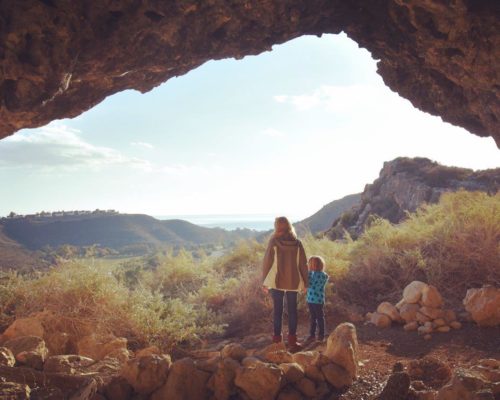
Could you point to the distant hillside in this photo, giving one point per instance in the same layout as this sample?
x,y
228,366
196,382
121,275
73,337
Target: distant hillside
x,y
115,231
14,256
323,219
406,183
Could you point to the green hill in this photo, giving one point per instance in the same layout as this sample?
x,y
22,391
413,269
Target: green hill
x,y
115,231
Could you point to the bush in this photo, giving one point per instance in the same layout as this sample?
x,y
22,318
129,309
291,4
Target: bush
x,y
453,245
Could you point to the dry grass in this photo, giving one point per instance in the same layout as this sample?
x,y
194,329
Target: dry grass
x,y
453,245
172,298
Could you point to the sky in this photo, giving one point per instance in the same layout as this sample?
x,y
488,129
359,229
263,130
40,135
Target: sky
x,y
284,132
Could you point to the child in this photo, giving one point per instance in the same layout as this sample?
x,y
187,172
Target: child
x,y
316,297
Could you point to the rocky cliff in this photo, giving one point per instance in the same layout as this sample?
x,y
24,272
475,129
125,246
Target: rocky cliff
x,y
406,183
59,58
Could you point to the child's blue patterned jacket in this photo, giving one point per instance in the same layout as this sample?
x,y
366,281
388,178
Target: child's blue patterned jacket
x,y
316,289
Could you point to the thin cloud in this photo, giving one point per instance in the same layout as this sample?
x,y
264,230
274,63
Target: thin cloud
x,y
59,146
275,133
144,145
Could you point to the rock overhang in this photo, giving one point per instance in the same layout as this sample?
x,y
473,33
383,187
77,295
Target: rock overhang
x,y
60,58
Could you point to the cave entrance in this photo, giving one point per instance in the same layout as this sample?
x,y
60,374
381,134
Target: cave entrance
x,y
312,118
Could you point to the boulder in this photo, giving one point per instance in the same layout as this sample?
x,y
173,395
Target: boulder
x,y
431,297
260,382
235,351
342,348
396,388
148,351
389,310
57,342
289,393
293,371
14,391
400,304
337,376
250,361
147,373
408,312
6,357
314,372
380,320
432,313
305,358
306,386
464,386
221,383
413,292
28,350
67,364
484,305
276,353
184,382
51,386
29,326
118,389
98,348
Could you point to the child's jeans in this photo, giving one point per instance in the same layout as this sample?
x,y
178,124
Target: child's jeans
x,y
317,319
291,302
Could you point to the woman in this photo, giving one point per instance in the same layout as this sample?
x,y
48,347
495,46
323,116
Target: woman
x,y
285,274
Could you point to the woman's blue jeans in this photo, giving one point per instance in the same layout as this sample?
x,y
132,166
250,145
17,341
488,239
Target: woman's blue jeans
x,y
291,302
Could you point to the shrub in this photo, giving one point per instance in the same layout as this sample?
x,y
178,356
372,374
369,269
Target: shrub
x,y
453,245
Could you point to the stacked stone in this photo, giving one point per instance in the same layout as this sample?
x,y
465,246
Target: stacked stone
x,y
421,309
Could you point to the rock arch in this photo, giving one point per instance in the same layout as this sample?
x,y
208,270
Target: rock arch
x,y
59,58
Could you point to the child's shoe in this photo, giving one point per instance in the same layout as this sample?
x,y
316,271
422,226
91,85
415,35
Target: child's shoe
x,y
321,339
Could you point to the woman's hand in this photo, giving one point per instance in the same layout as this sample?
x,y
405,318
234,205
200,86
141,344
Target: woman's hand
x,y
265,289
304,290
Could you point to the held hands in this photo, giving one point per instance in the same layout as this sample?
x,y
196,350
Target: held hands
x,y
265,289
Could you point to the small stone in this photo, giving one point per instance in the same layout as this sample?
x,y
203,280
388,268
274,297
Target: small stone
x,y
389,310
443,329
397,387
411,326
427,337
455,325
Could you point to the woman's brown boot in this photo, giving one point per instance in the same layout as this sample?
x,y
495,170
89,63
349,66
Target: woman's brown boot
x,y
293,345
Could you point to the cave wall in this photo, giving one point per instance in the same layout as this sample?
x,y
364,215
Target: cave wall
x,y
58,58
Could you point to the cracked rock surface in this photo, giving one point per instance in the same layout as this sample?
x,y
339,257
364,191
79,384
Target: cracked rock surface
x,y
58,58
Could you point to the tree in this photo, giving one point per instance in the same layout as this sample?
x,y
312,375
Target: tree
x,y
12,214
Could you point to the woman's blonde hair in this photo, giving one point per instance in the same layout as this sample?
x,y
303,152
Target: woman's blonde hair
x,y
318,262
289,227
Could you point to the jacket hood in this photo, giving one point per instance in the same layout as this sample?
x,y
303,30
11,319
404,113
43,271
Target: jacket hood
x,y
286,242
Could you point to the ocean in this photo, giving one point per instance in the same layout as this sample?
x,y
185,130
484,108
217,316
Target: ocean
x,y
258,222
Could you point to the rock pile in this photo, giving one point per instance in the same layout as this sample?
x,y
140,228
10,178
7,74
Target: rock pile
x,y
431,379
421,309
105,369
